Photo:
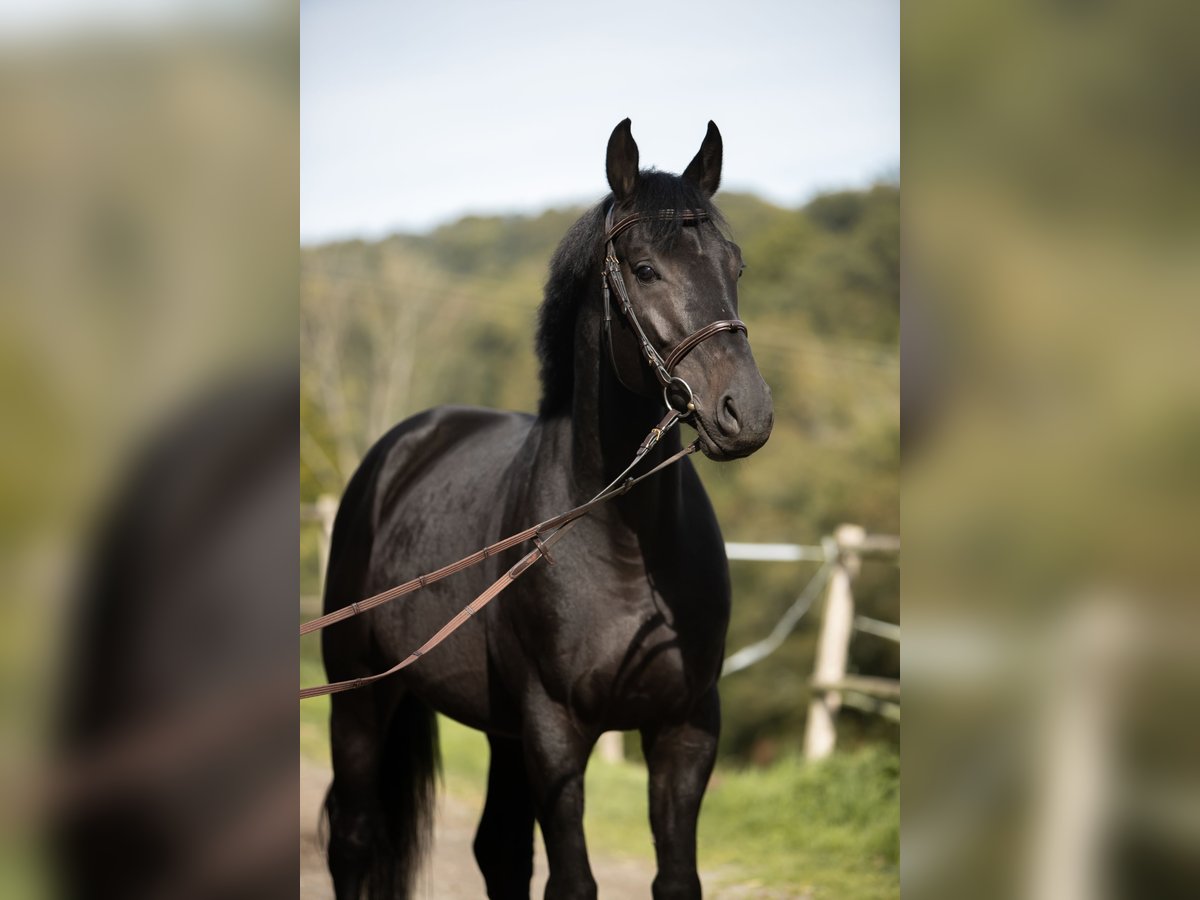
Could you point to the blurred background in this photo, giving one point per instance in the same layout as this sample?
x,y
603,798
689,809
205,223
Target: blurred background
x,y
148,279
444,155
1051,396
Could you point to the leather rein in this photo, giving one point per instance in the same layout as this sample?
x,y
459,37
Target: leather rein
x,y
546,534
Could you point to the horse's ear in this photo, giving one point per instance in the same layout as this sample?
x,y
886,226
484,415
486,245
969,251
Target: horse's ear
x,y
705,169
622,163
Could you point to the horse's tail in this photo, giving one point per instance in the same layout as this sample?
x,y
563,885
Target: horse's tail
x,y
401,828
410,765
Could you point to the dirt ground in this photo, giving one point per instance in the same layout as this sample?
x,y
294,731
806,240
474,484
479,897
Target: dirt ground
x,y
451,874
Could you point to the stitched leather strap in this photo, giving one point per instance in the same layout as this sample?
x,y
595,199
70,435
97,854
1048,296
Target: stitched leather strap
x,y
693,340
687,216
558,525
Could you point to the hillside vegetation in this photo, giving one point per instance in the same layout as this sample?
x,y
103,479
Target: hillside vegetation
x,y
394,326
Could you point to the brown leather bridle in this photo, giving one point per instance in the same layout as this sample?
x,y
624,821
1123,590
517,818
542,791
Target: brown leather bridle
x,y
545,534
610,274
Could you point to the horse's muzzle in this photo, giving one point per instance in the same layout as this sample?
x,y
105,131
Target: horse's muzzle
x,y
739,422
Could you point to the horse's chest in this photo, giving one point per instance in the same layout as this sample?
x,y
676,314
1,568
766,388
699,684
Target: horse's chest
x,y
629,673
637,647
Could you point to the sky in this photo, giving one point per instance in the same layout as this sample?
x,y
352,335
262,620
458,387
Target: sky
x,y
414,114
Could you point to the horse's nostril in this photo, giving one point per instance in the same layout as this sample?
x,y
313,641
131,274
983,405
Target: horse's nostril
x,y
727,417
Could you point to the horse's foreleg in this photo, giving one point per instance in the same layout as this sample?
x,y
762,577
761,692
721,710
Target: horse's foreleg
x,y
680,759
504,841
556,755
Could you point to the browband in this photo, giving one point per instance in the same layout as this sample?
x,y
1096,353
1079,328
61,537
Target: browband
x,y
686,216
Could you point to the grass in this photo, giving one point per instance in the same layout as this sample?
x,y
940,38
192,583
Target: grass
x,y
826,830
314,713
831,828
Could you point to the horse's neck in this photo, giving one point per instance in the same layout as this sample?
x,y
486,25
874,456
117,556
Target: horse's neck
x,y
608,424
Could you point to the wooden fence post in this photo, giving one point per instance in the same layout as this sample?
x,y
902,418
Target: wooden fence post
x,y
611,746
820,735
326,508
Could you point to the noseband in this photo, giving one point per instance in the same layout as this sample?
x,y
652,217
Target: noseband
x,y
663,368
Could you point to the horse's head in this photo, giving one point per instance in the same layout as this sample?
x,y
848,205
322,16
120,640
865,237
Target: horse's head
x,y
681,274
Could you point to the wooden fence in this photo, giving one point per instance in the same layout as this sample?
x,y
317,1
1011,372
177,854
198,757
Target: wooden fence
x,y
831,686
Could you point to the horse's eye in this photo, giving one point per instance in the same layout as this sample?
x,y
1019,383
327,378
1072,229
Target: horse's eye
x,y
741,270
644,274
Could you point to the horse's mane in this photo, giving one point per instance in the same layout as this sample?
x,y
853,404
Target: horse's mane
x,y
577,261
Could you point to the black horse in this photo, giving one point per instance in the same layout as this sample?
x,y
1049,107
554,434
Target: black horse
x,y
625,631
